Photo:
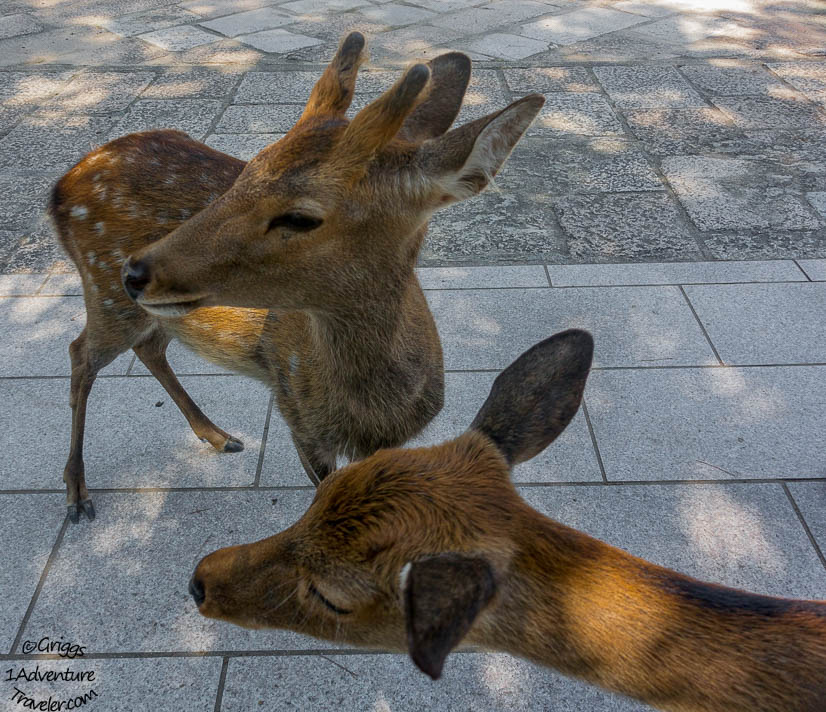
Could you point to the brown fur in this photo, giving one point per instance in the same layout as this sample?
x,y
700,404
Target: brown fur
x,y
404,544
333,317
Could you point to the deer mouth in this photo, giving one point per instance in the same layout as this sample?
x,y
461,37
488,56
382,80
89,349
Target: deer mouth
x,y
171,309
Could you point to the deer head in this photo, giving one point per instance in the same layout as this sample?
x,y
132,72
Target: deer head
x,y
336,207
408,548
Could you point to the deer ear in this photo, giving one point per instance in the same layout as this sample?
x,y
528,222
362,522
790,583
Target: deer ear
x,y
533,400
442,596
449,77
463,161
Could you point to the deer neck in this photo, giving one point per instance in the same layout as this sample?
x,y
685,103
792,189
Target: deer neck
x,y
593,611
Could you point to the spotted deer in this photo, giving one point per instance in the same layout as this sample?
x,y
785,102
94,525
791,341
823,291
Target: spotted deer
x,y
426,549
296,268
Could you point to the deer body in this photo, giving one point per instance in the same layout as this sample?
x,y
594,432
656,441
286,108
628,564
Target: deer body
x,y
432,548
296,268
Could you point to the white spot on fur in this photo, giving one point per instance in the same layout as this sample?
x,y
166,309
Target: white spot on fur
x,y
294,361
91,258
96,178
79,211
100,228
108,302
185,214
403,574
170,180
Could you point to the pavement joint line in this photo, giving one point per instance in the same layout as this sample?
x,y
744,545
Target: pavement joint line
x,y
700,324
219,693
225,104
804,524
594,440
548,276
40,583
263,653
263,447
800,267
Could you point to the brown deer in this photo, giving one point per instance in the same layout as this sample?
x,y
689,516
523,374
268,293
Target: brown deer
x,y
425,549
296,269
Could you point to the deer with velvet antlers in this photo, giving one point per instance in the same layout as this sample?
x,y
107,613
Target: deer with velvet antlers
x,y
296,268
426,549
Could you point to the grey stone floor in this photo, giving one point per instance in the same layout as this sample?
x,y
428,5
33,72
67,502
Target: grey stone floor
x,y
671,198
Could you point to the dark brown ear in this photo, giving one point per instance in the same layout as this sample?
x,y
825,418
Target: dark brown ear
x,y
533,400
442,596
449,77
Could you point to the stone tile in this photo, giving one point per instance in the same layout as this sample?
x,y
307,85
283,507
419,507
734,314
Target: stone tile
x,y
192,82
673,273
129,51
260,118
570,458
507,46
645,9
549,79
194,116
773,244
642,226
131,441
640,87
763,323
175,39
666,132
29,531
241,23
482,277
736,194
279,41
322,7
414,41
445,5
47,46
396,15
270,87
472,21
733,81
52,141
484,96
480,682
243,146
215,8
155,19
223,54
693,31
144,547
767,112
739,535
708,423
332,28
62,285
100,92
19,285
583,166
809,77
632,326
502,226
20,24
29,88
811,499
570,113
184,684
817,200
24,199
572,27
184,362
281,466
815,269
37,332
35,250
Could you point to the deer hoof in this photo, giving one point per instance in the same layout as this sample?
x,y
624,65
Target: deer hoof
x,y
73,511
233,445
88,509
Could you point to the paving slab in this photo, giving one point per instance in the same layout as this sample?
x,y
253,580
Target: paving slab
x,y
215,8
131,441
507,46
708,423
331,28
244,146
31,87
193,116
28,535
632,326
482,277
162,684
735,194
62,285
18,24
144,548
814,269
183,362
674,273
808,77
17,285
259,118
776,244
148,21
810,498
472,21
175,39
117,51
817,200
37,332
733,81
628,226
739,535
49,46
192,83
768,112
265,18
549,79
275,87
322,7
278,40
763,323
413,41
100,92
641,87
571,113
396,15
471,681
572,27
24,199
669,132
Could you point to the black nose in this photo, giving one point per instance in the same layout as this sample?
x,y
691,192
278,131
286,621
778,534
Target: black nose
x,y
135,276
196,588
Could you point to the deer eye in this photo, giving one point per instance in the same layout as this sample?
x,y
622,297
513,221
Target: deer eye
x,y
295,221
334,608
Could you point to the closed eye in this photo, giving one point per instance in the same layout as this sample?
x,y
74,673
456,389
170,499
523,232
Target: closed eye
x,y
331,606
299,222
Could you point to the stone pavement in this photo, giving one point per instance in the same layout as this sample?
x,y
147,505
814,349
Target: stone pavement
x,y
671,198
